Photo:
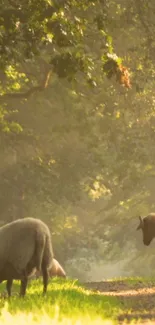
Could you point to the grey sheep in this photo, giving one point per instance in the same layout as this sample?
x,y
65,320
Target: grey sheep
x,y
147,225
25,245
55,270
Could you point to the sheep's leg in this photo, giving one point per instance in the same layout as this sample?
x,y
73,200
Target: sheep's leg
x,y
23,286
9,286
45,278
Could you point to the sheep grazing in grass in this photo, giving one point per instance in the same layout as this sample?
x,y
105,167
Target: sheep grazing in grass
x,y
55,270
25,245
147,225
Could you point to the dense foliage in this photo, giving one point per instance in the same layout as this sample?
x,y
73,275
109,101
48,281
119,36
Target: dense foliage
x,y
77,120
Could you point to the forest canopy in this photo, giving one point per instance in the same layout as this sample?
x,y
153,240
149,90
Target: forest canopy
x,y
77,120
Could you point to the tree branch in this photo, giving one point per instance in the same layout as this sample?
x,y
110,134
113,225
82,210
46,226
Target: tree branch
x,y
6,14
27,93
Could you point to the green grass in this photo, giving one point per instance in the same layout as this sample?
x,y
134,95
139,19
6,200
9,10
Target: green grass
x,y
135,280
66,303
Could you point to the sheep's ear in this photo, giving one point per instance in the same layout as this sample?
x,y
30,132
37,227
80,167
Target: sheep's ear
x,y
141,224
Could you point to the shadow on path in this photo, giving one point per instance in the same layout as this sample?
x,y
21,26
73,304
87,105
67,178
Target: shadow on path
x,y
137,299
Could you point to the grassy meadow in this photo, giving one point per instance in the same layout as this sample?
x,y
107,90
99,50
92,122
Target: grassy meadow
x,y
66,303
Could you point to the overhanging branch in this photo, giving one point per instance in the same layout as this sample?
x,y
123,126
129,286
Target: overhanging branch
x,y
27,93
22,15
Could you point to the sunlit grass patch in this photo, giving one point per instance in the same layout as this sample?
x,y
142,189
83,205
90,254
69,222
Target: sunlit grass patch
x,y
67,299
35,319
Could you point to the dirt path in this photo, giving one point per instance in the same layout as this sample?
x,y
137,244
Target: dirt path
x,y
138,299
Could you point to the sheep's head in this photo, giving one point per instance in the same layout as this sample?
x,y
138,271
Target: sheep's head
x,y
147,225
